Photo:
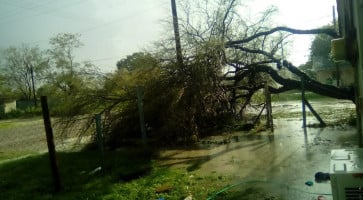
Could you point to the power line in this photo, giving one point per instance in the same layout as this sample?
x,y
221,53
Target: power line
x,y
47,10
120,19
19,9
89,29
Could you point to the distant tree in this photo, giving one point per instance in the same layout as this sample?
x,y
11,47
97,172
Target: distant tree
x,y
321,44
64,71
308,69
62,48
24,68
137,60
320,49
67,79
319,53
5,90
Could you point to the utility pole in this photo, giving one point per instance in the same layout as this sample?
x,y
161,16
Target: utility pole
x,y
179,56
33,85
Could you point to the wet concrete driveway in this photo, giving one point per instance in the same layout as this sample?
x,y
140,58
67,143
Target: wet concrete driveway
x,y
278,163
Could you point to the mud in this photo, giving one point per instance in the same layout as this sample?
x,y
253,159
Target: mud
x,y
276,164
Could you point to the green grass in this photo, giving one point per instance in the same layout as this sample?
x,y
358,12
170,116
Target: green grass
x,y
10,155
11,123
296,95
127,175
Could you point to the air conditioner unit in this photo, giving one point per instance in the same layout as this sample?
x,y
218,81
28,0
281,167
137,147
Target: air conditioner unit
x,y
346,174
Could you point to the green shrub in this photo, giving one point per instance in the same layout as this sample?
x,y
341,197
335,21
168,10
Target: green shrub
x,y
25,113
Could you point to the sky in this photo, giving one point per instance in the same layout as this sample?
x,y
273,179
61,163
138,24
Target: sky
x,y
112,29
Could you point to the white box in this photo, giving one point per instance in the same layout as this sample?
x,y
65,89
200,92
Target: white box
x,y
346,174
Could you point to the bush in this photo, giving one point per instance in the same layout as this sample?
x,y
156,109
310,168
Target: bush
x,y
18,113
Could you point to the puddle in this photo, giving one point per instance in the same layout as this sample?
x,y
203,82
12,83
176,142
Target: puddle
x,y
285,159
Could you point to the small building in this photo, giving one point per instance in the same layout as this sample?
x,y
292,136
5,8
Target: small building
x,y
6,107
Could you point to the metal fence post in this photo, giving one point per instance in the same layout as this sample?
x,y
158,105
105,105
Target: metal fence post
x,y
140,105
303,101
269,118
100,139
50,143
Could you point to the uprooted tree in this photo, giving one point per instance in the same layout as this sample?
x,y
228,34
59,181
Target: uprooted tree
x,y
226,60
242,56
252,50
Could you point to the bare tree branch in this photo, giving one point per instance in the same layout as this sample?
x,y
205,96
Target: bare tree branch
x,y
330,32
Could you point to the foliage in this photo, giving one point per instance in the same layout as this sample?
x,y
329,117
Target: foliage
x,y
162,102
62,51
136,61
180,105
308,69
23,67
67,80
26,113
30,73
321,45
320,50
227,59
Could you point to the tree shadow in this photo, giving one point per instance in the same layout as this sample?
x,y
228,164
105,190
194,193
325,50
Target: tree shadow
x,y
195,162
31,177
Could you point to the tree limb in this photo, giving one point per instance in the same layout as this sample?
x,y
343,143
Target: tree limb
x,y
310,85
330,32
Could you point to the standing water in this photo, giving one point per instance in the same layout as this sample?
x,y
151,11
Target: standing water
x,y
278,165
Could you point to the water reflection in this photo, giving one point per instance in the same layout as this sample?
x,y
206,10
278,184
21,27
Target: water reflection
x,y
290,155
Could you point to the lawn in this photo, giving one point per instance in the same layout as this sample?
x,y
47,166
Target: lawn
x,y
128,174
296,95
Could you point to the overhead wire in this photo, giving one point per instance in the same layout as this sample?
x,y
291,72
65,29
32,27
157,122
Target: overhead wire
x,y
18,9
38,12
120,19
96,27
115,21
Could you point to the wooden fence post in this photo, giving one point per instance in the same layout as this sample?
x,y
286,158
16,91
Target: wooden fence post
x,y
50,142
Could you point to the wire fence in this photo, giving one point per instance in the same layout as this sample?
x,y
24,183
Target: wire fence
x,y
74,146
22,137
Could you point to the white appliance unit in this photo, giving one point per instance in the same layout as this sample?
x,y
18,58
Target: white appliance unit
x,y
346,174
